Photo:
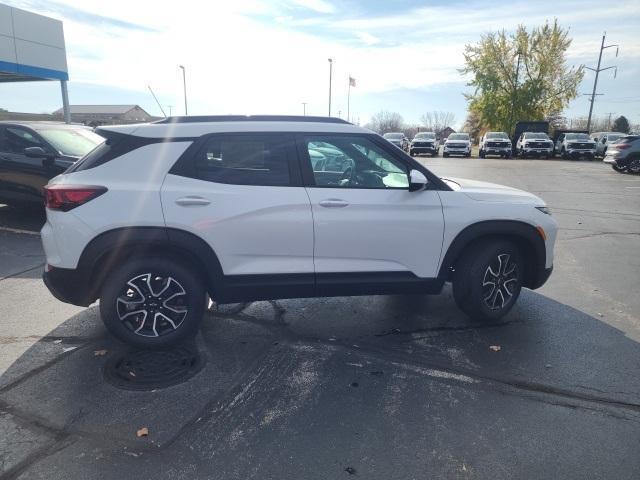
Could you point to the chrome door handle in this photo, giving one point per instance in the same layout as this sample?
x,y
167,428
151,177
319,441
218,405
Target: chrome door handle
x,y
333,203
192,201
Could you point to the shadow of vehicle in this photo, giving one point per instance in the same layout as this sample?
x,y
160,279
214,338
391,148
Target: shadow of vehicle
x,y
309,388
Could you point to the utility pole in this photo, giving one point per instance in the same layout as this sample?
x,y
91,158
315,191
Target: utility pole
x,y
609,121
598,70
330,75
184,86
169,107
304,108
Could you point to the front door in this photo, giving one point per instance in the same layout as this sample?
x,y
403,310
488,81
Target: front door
x,y
21,178
365,218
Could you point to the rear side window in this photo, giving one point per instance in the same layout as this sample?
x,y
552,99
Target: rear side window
x,y
115,145
245,160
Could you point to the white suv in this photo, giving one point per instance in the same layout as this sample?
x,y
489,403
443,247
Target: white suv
x,y
252,208
457,144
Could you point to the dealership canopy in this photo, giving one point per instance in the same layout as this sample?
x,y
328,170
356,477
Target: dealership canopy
x,y
32,49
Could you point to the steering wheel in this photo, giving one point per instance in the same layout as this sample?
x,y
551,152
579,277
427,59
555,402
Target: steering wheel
x,y
347,175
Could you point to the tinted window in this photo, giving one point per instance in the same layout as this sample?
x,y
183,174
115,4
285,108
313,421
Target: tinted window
x,y
355,162
16,139
69,141
245,160
458,136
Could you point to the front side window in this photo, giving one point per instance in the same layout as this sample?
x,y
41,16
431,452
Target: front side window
x,y
17,139
245,160
354,162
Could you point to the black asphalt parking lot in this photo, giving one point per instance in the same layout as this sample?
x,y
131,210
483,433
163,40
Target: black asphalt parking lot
x,y
383,387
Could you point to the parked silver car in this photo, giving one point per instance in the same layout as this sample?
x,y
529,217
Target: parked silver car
x,y
624,156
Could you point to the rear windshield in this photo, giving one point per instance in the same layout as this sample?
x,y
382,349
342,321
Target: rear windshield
x,y
70,141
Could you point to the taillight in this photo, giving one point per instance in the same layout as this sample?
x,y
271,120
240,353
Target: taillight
x,y
622,146
67,197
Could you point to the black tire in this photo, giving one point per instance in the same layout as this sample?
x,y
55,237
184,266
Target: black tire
x,y
472,290
162,287
617,168
445,155
633,167
481,154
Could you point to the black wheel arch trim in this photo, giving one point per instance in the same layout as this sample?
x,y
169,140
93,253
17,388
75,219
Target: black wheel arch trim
x,y
535,277
107,250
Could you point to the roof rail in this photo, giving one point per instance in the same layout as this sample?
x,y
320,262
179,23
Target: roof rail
x,y
251,118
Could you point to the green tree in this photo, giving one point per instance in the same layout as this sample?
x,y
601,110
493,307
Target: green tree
x,y
520,76
621,124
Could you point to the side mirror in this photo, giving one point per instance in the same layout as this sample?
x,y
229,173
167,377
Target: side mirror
x,y
417,181
39,152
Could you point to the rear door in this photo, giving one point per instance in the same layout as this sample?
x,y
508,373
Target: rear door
x,y
242,193
365,217
21,177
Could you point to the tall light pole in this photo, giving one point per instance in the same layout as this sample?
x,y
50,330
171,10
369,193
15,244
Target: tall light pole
x,y
304,108
598,70
184,88
330,75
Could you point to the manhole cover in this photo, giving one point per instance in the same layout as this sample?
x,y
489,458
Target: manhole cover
x,y
153,369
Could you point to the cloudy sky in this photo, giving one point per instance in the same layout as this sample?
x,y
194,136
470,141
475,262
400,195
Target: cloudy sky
x,y
254,56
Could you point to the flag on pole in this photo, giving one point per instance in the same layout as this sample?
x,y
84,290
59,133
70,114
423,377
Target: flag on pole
x,y
352,82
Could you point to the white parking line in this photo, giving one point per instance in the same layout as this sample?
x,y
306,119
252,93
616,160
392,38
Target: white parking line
x,y
18,230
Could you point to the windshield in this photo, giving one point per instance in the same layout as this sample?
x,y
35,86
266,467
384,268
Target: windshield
x,y
536,136
394,136
577,136
70,141
459,136
498,135
425,135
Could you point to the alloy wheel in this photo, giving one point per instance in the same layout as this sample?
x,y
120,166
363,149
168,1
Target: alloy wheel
x,y
499,282
152,305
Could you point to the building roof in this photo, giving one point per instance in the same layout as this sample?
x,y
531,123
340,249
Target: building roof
x,y
99,109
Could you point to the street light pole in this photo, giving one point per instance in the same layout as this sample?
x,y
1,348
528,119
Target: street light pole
x,y
330,75
304,108
184,88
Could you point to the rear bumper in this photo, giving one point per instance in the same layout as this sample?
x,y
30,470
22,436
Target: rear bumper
x,y
69,286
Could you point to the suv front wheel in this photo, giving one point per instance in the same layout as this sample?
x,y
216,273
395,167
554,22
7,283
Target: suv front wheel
x,y
488,279
152,302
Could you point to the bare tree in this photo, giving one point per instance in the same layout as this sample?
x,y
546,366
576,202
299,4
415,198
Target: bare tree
x,y
385,122
437,121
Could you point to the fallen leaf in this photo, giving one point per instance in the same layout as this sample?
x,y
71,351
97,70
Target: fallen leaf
x,y
350,470
132,374
495,348
99,353
142,432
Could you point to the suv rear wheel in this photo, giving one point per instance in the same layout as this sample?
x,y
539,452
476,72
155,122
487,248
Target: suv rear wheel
x,y
488,279
152,302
